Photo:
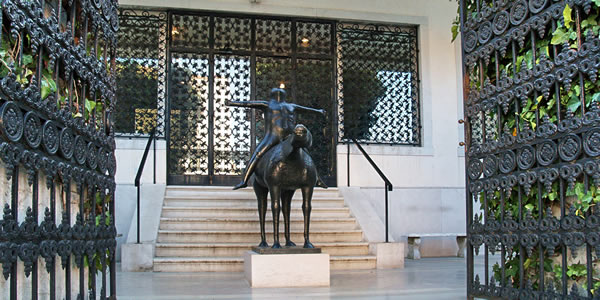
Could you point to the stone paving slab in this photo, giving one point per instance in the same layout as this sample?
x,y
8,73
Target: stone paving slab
x,y
428,278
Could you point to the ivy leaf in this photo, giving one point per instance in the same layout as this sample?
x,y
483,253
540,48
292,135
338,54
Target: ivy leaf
x,y
89,105
45,91
529,206
454,32
27,59
590,21
559,37
567,12
573,104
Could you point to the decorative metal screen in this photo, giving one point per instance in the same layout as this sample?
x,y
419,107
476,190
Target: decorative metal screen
x,y
141,72
217,58
57,95
533,141
378,84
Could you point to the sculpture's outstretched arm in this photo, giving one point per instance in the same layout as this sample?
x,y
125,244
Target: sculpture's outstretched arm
x,y
301,109
248,104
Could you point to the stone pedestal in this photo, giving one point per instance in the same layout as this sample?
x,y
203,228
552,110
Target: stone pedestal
x,y
286,270
137,257
389,255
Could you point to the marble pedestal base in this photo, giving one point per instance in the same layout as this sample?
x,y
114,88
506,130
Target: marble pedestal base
x,y
286,270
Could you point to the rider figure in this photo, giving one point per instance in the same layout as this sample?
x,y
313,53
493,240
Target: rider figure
x,y
280,121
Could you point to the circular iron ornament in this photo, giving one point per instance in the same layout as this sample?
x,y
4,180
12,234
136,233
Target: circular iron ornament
x,y
102,160
11,121
475,169
546,153
591,142
91,155
501,22
518,12
536,6
508,162
33,130
525,157
470,41
67,143
490,165
80,150
50,137
485,32
569,147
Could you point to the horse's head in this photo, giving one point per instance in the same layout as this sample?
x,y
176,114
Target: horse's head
x,y
302,137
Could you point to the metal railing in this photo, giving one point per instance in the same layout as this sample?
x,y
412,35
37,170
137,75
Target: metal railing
x,y
388,184
151,138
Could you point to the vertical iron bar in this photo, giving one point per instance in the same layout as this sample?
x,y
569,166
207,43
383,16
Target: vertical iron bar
x,y
67,187
35,210
294,61
521,249
53,212
211,99
113,262
540,248
168,98
564,247
91,195
468,196
486,257
103,254
82,289
253,84
15,212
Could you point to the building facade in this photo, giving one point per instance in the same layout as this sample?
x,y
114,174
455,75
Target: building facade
x,y
386,72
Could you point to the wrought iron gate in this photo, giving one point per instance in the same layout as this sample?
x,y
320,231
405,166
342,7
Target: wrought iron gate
x,y
214,58
57,92
533,141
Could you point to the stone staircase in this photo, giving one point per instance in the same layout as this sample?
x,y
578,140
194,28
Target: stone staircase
x,y
207,229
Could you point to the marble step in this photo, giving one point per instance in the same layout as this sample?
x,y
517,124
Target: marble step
x,y
238,249
193,201
227,223
236,264
219,192
247,212
242,236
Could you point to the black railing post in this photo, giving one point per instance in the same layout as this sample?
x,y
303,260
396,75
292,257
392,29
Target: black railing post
x,y
386,215
138,213
138,176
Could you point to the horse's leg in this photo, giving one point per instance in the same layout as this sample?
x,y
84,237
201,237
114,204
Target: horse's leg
x,y
307,193
286,204
261,197
275,208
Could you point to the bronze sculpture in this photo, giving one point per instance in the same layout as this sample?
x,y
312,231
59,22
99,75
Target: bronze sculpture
x,y
280,164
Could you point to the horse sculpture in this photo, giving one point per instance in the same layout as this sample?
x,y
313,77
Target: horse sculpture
x,y
280,164
283,169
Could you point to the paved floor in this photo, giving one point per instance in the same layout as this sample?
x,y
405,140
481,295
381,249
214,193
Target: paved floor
x,y
428,278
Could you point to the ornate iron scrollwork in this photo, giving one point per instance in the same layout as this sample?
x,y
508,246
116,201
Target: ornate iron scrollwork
x,y
57,92
545,147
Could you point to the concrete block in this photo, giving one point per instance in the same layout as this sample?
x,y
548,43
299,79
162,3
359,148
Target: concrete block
x,y
286,270
137,257
389,255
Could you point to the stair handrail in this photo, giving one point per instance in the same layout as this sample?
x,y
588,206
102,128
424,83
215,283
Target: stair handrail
x,y
138,176
388,183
